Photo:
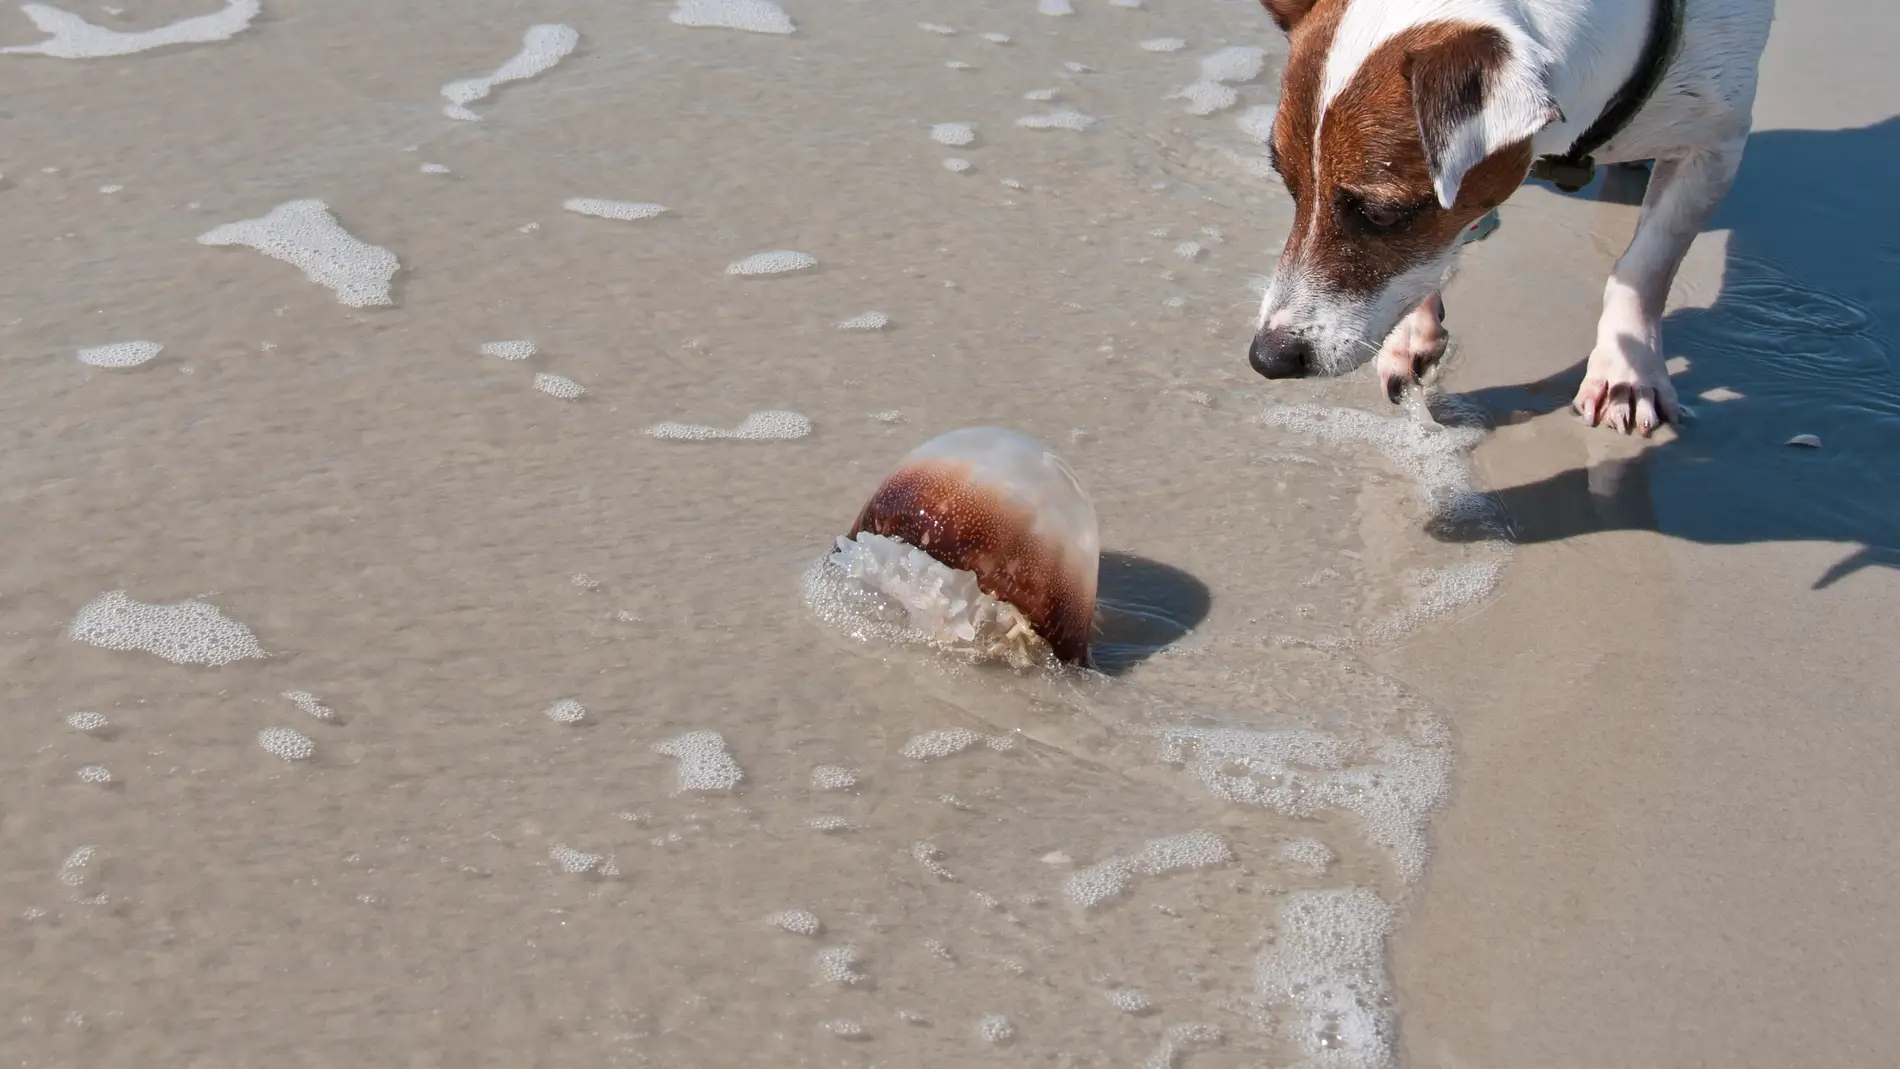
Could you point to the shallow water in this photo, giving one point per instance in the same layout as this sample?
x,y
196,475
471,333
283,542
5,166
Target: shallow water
x,y
504,596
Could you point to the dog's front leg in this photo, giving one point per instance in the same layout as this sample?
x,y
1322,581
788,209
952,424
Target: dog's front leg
x,y
1625,383
1413,347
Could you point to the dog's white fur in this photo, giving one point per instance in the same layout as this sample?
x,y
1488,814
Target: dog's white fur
x,y
1574,54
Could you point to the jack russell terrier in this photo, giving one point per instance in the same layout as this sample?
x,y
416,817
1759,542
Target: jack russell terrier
x,y
1402,122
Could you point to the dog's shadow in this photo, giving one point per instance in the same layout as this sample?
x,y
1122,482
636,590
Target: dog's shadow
x,y
1800,340
1142,607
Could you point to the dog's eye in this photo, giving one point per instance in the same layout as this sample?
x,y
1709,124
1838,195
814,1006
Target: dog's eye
x,y
1382,216
1376,216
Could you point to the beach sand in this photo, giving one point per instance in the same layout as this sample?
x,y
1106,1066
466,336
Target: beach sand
x,y
556,752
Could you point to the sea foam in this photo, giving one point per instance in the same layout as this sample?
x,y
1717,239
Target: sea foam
x,y
120,354
75,38
543,46
304,234
770,425
752,16
186,632
612,209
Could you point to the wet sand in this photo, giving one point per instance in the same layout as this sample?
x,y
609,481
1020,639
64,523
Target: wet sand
x,y
1668,843
548,639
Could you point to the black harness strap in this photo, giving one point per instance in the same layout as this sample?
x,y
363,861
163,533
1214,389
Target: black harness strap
x,y
1574,169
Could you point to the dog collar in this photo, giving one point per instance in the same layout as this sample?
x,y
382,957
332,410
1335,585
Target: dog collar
x,y
1574,169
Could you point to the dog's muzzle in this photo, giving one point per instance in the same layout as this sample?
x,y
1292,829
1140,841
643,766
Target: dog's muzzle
x,y
1281,354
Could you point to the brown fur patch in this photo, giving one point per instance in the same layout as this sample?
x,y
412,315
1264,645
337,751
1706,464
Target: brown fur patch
x,y
1288,12
1371,152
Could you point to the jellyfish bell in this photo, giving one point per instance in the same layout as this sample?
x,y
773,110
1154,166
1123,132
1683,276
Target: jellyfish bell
x,y
988,541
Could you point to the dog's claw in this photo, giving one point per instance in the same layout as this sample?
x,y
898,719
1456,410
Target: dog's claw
x,y
1417,343
1394,388
1625,399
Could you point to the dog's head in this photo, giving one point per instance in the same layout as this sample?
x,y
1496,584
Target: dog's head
x,y
1395,132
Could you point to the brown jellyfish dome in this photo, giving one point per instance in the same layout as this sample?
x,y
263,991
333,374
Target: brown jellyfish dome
x,y
1002,506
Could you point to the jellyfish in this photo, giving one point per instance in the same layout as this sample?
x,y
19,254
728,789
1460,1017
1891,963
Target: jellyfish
x,y
987,540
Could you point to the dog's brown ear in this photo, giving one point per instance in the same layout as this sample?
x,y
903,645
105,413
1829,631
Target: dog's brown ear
x,y
1473,98
1287,13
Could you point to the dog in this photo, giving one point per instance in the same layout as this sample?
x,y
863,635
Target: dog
x,y
1402,122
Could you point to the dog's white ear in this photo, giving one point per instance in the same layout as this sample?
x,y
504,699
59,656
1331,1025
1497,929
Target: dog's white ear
x,y
1472,98
1287,13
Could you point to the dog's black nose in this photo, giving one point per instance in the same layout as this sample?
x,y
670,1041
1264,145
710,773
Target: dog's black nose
x,y
1281,354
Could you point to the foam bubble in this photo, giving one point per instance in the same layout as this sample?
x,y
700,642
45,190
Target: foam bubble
x,y
1189,250
956,165
90,723
304,234
1436,457
796,921
845,1028
1440,591
188,632
839,965
612,209
829,823
1180,1039
773,262
1309,856
95,774
930,856
1163,44
996,1028
866,321
543,46
752,16
434,168
508,350
1235,63
1131,1000
308,703
938,28
566,711
833,778
576,862
1042,96
1061,119
769,425
1324,980
287,744
704,762
1205,97
558,386
1257,122
75,38
942,743
120,354
954,134
1109,878
72,871
996,38
1054,8
891,415
958,65
1392,785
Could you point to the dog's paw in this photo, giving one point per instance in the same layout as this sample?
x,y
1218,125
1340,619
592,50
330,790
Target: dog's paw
x,y
1413,348
1626,387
